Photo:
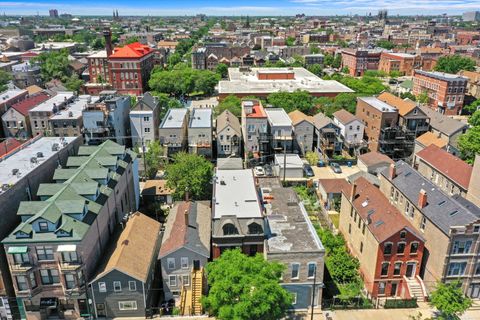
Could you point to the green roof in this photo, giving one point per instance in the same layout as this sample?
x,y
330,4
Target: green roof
x,y
19,249
407,84
48,189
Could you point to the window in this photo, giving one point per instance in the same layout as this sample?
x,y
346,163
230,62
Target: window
x,y
387,249
392,192
22,284
381,288
102,287
363,228
69,281
396,268
45,253
43,226
295,270
311,269
21,258
294,298
146,119
361,247
49,276
229,229
255,228
172,281
423,223
251,128
476,229
384,271
69,256
127,305
117,286
33,279
171,263
461,247
350,228
477,269
403,234
186,280
184,262
132,286
413,248
147,130
456,268
400,247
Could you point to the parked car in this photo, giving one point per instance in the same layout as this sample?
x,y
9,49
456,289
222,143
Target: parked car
x,y
307,169
320,163
268,170
258,171
336,167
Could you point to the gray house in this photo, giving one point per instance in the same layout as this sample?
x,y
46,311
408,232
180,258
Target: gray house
x,y
185,249
173,130
123,285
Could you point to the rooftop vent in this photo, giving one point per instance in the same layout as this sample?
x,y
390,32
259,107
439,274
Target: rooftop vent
x,y
55,147
39,154
15,171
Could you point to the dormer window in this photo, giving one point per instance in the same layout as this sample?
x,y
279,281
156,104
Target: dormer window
x,y
43,226
255,228
229,229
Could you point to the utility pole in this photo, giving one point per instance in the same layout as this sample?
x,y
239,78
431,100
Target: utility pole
x,y
313,289
284,158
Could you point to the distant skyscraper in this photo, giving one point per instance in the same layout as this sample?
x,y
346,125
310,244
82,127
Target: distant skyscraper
x,y
471,16
53,13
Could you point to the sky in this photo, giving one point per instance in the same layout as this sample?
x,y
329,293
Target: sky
x,y
239,7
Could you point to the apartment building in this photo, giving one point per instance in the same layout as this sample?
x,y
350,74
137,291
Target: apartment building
x,y
254,129
53,253
280,129
22,170
10,97
351,129
229,135
26,74
358,61
446,92
237,217
124,284
220,51
16,121
145,120
130,67
173,130
40,114
99,72
387,246
403,63
446,171
200,132
449,224
293,242
107,119
185,246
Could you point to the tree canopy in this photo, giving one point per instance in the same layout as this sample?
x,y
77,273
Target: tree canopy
x,y
222,70
474,119
4,78
192,173
231,103
455,63
449,299
469,144
290,101
153,158
385,44
244,287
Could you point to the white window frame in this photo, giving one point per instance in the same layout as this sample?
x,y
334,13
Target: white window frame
x,y
130,283
170,260
121,305
186,283
308,269
115,283
172,283
184,265
102,287
298,271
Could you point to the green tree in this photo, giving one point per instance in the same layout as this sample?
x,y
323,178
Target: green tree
x,y
153,158
316,69
290,41
132,39
314,50
342,266
408,95
192,173
474,119
73,83
385,44
4,79
449,299
222,70
312,157
231,103
174,59
182,81
469,144
328,59
289,101
472,107
347,101
54,64
97,44
455,63
243,287
423,97
337,61
394,74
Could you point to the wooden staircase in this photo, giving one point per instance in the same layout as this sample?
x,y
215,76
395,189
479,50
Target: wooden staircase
x,y
197,291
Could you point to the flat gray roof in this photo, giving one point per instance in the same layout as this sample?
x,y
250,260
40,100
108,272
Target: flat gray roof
x,y
441,75
174,118
74,109
248,82
10,94
21,159
378,104
235,194
59,99
278,117
201,118
293,160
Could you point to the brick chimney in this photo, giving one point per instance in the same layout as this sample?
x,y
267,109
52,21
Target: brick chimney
x,y
422,198
107,33
353,191
392,172
185,213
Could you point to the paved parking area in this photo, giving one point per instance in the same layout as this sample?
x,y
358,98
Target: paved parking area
x,y
327,172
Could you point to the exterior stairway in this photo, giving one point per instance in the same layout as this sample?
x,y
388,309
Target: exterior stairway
x,y
416,288
197,291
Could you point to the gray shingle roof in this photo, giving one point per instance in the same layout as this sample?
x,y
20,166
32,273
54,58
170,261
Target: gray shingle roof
x,y
443,123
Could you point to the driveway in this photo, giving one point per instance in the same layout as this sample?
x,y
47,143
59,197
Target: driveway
x,y
327,172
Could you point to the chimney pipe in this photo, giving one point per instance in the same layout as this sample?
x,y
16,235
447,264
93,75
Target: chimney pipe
x,y
354,191
422,199
392,172
185,213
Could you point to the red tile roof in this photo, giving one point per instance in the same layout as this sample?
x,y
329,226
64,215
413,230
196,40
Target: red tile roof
x,y
32,101
446,163
384,220
8,145
133,50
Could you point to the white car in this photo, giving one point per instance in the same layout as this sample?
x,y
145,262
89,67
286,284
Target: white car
x,y
259,171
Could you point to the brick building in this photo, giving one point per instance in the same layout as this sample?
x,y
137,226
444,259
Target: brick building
x,y
359,61
403,62
445,91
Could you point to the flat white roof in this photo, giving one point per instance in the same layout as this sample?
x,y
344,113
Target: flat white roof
x,y
99,54
278,117
74,109
293,160
235,194
10,94
21,159
378,104
201,118
248,82
174,118
58,100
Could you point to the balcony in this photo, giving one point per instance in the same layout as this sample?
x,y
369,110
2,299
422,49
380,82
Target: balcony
x,y
69,266
21,267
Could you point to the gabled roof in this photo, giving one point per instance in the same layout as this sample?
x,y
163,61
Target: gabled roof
x,y
226,118
320,120
446,163
8,145
298,116
147,102
344,116
429,138
372,158
135,248
132,50
443,123
29,103
404,106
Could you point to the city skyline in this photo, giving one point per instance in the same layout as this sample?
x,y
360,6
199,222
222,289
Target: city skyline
x,y
254,8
